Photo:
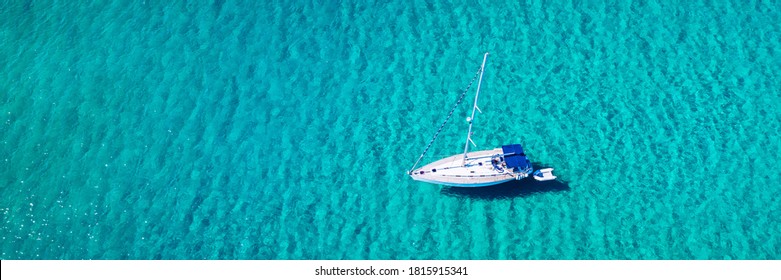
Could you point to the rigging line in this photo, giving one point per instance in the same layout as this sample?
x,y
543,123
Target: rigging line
x,y
446,119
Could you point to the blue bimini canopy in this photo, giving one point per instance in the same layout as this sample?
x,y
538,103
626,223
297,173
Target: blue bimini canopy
x,y
514,156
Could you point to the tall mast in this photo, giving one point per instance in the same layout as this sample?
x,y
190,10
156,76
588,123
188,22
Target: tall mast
x,y
474,108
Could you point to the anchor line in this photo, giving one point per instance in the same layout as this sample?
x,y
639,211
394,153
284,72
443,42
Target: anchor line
x,y
477,74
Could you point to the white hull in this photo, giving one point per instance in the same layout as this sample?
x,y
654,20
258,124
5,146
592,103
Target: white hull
x,y
466,185
479,171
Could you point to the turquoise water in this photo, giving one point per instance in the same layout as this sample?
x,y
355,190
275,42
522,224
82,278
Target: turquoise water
x,y
250,130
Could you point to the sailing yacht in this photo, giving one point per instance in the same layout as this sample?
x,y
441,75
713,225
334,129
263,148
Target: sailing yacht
x,y
478,168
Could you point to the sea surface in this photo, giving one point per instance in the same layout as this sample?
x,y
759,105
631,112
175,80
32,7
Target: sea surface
x,y
262,130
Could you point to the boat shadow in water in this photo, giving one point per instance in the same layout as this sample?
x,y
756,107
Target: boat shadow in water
x,y
521,188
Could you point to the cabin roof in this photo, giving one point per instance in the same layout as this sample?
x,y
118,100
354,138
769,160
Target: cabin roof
x,y
515,157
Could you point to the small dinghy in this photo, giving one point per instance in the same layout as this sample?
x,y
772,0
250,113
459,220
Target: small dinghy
x,y
545,174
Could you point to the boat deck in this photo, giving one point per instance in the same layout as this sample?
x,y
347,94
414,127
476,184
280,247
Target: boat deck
x,y
478,171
